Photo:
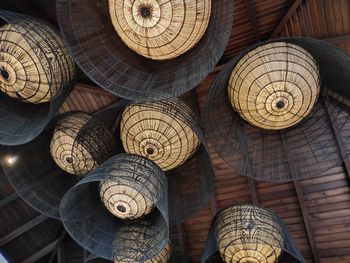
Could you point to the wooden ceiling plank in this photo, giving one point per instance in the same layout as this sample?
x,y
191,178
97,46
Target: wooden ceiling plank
x,y
307,223
41,253
55,252
20,230
252,18
286,18
8,199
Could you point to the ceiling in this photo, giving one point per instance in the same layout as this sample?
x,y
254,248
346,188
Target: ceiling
x,y
316,211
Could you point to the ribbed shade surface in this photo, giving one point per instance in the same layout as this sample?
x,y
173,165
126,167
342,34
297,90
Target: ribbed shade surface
x,y
32,71
63,142
162,257
160,131
248,234
160,29
274,86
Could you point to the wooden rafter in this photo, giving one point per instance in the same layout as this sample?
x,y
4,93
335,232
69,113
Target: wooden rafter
x,y
252,18
286,18
41,253
55,252
20,230
8,199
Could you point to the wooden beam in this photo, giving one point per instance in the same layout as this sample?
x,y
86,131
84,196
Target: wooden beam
x,y
183,243
252,18
307,223
213,204
55,252
61,257
20,230
338,39
253,193
42,252
285,19
8,199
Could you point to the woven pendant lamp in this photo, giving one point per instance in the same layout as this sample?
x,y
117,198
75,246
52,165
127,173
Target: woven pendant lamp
x,y
274,86
160,131
36,75
95,228
146,50
250,234
160,30
275,111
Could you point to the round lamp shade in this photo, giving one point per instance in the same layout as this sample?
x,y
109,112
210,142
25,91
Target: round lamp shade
x,y
63,143
274,86
123,200
160,29
162,257
32,70
248,234
160,131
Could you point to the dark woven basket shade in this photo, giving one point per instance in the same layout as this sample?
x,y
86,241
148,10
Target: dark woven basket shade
x,y
104,57
161,131
34,174
36,75
250,234
77,152
275,85
298,144
160,30
92,225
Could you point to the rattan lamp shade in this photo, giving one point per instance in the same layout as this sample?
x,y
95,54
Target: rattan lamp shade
x,y
275,86
160,29
63,141
25,70
197,29
248,234
160,131
162,257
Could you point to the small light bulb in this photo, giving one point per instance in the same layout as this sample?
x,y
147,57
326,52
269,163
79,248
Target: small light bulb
x,y
11,160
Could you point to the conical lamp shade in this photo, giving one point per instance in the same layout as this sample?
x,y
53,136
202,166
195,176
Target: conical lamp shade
x,y
267,134
36,75
92,225
247,233
107,60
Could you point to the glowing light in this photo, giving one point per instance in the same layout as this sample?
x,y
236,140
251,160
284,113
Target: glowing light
x,y
11,160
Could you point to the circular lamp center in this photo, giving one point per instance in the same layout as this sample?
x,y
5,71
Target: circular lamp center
x,y
280,104
150,151
69,160
145,12
121,208
4,73
248,225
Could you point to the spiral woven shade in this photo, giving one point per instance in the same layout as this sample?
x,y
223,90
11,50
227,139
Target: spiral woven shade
x,y
160,131
108,61
274,86
249,234
92,226
162,257
36,75
160,29
25,70
302,145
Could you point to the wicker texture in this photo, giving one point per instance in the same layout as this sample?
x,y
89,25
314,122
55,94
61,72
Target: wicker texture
x,y
25,70
160,29
162,257
104,57
36,75
274,86
160,131
63,141
304,150
247,234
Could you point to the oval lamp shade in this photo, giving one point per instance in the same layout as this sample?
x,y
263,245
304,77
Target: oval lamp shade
x,y
276,111
160,30
160,131
75,155
36,75
274,86
249,234
96,229
189,37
